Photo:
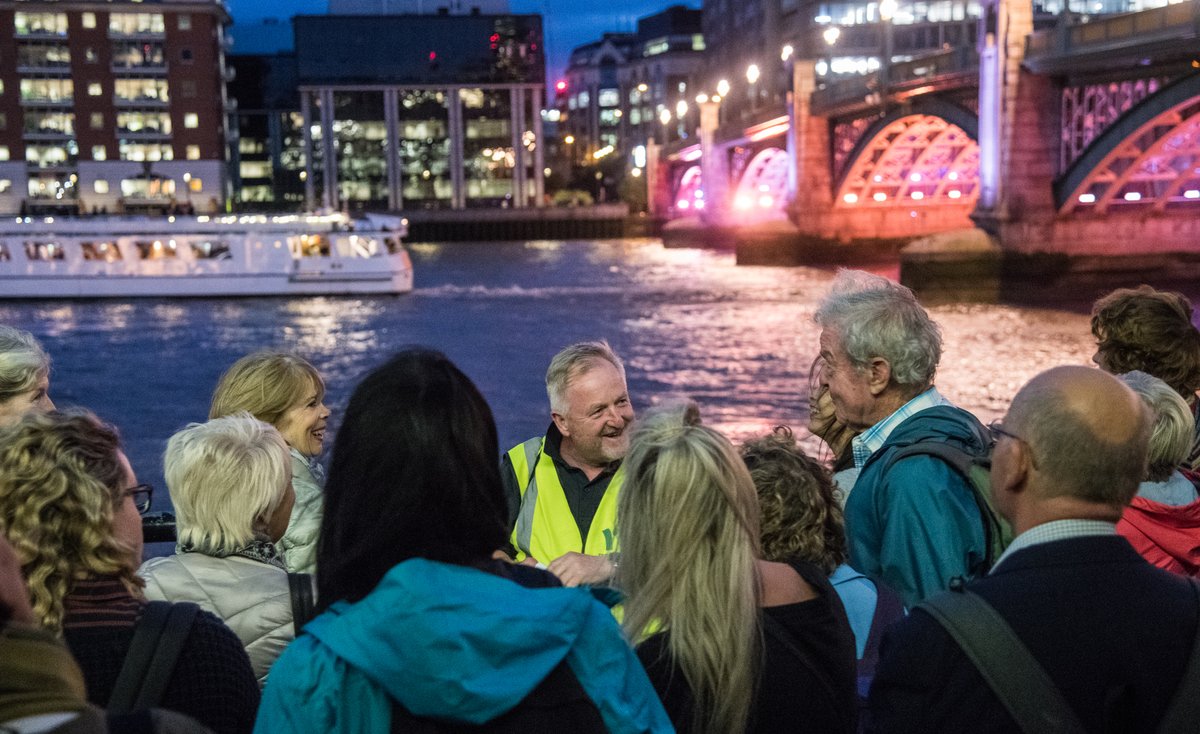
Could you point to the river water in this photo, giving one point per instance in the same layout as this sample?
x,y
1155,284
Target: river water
x,y
739,340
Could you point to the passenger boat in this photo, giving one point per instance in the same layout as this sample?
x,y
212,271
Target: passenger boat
x,y
256,255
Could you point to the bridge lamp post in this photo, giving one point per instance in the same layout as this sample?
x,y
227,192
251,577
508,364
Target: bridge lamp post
x,y
752,74
831,36
665,118
681,110
887,11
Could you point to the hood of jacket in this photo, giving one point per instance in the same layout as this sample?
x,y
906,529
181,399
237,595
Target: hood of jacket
x,y
458,643
939,423
1166,535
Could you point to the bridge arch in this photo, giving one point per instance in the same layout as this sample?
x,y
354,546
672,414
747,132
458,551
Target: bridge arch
x,y
762,190
689,193
1147,160
924,154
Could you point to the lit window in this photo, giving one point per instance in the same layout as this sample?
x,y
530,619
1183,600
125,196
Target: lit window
x,y
99,153
90,55
196,185
89,20
3,152
193,152
95,89
185,22
97,121
191,120
3,121
5,185
100,186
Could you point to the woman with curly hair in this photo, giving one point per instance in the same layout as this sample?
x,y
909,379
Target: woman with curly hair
x,y
70,505
283,389
24,375
802,521
732,642
1151,331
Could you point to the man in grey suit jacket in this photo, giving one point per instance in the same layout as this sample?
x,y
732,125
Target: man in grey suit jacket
x,y
1112,633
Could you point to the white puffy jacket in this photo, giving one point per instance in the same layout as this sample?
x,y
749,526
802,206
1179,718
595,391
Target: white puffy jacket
x,y
299,543
251,596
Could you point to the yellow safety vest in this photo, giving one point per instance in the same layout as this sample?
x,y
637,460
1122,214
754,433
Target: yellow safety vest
x,y
545,527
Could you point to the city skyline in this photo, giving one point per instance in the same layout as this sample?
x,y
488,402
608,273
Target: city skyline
x,y
567,24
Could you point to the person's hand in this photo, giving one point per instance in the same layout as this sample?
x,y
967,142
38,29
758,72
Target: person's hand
x,y
577,569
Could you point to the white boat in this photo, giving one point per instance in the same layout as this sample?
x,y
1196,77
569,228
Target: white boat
x,y
256,255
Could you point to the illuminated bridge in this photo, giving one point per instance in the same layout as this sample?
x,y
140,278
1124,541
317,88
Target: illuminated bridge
x,y
1083,137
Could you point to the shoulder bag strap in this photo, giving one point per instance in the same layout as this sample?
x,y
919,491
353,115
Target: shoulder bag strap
x,y
300,586
1013,674
1184,712
170,644
157,641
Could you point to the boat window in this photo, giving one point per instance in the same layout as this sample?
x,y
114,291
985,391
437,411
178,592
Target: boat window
x,y
393,245
5,255
211,250
156,249
105,251
44,250
357,246
314,245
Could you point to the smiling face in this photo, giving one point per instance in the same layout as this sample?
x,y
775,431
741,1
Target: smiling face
x,y
35,399
303,425
597,418
849,386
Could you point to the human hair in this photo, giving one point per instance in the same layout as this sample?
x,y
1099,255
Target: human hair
x,y
801,517
1174,428
22,362
689,533
573,361
61,482
413,474
1150,331
266,385
1066,450
225,477
875,317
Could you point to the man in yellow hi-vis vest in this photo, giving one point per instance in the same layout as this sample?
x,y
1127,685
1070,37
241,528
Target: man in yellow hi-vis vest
x,y
562,487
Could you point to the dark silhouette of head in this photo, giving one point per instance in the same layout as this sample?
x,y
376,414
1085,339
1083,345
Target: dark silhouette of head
x,y
414,474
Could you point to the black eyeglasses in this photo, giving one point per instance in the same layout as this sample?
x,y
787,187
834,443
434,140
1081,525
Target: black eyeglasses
x,y
997,429
141,494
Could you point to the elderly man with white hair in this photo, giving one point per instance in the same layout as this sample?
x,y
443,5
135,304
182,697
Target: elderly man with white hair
x,y
912,522
1162,522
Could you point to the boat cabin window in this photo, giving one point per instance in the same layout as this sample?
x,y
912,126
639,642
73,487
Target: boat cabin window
x,y
157,249
5,255
356,245
211,250
44,250
314,245
393,244
104,251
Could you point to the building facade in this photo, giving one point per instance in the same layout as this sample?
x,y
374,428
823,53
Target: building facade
x,y
112,106
421,111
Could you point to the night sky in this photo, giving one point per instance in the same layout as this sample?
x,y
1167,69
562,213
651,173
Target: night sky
x,y
567,23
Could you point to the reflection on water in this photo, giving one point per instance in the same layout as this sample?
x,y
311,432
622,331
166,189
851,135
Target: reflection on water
x,y
740,340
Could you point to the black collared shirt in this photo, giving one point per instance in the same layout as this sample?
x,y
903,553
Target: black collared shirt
x,y
583,495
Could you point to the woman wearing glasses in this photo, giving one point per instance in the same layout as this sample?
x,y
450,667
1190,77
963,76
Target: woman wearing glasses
x,y
70,505
231,484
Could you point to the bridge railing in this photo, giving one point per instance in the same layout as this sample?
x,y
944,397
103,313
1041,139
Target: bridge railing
x,y
953,67
1085,34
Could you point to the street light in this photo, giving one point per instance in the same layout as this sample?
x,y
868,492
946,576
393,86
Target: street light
x,y
752,75
723,88
831,36
887,11
786,52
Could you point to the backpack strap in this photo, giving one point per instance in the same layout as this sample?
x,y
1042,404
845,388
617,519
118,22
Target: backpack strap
x,y
965,464
1011,671
1184,711
157,642
304,600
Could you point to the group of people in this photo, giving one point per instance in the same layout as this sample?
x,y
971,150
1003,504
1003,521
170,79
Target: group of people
x,y
617,574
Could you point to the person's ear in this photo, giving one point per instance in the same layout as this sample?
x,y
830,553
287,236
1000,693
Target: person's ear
x,y
560,422
879,375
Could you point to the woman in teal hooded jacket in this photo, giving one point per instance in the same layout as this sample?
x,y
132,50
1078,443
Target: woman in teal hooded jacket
x,y
420,628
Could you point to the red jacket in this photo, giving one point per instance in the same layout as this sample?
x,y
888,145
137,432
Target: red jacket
x,y
1168,536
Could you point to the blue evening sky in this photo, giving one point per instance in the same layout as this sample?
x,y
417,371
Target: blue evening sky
x,y
567,23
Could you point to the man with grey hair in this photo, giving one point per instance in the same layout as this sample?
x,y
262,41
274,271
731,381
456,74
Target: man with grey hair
x,y
562,487
912,522
1072,630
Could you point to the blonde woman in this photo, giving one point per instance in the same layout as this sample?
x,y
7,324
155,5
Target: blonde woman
x,y
286,391
70,505
24,376
732,643
231,484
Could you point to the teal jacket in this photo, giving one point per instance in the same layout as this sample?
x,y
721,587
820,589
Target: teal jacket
x,y
454,643
916,526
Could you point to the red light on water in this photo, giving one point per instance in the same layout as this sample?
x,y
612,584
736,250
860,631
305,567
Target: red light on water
x,y
433,55
561,86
